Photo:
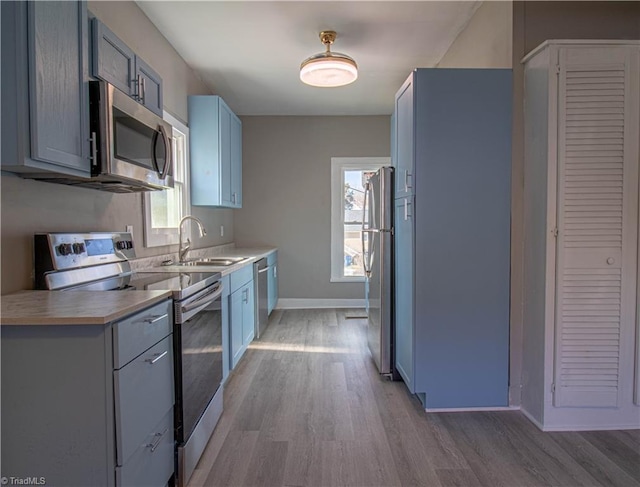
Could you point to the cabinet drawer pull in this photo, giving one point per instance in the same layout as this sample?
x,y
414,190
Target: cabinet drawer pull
x,y
158,357
158,436
155,319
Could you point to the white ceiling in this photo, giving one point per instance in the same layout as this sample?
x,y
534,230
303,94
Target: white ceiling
x,y
249,52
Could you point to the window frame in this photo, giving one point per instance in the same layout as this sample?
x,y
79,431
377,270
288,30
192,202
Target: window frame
x,y
169,235
339,165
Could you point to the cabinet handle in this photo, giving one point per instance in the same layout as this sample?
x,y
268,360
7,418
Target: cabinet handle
x,y
136,93
407,186
245,295
93,141
407,215
156,443
158,357
144,90
611,261
155,318
275,270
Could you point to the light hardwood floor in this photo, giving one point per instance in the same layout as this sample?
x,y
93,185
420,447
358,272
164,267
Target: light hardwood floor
x,y
306,407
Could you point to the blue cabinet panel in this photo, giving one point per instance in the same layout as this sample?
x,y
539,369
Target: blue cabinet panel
x,y
403,276
404,140
116,63
215,141
242,314
461,142
113,60
45,97
236,301
150,87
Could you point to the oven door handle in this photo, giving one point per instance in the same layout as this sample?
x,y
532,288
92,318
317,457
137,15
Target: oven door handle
x,y
204,300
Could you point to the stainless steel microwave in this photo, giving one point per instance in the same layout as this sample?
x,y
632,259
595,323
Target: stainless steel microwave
x,y
130,145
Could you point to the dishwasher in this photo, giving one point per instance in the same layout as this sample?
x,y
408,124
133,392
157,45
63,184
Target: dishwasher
x,y
260,269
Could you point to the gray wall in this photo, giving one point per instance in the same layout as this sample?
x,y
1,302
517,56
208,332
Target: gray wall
x,y
287,192
32,206
533,23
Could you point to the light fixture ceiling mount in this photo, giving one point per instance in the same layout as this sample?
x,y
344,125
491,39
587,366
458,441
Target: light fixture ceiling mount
x,y
328,69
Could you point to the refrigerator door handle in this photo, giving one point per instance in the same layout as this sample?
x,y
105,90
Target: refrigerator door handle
x,y
364,230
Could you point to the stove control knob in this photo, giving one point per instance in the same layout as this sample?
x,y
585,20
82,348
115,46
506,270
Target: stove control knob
x,y
78,248
129,244
121,245
65,249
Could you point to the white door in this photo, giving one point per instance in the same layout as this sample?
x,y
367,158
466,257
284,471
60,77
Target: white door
x,y
597,224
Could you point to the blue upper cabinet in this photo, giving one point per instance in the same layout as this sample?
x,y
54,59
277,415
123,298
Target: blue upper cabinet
x,y
215,138
452,236
403,139
149,86
45,97
116,63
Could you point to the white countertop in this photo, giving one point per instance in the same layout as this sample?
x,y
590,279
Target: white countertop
x,y
99,307
251,254
74,307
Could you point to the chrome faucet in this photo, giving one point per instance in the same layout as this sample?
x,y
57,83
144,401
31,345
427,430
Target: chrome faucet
x,y
184,249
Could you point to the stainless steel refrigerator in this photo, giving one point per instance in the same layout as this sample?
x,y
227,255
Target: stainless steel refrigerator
x,y
377,250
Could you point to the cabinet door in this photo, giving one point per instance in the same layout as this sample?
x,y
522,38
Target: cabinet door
x,y
236,326
403,269
597,211
272,286
236,162
150,87
248,314
58,83
225,154
113,61
404,138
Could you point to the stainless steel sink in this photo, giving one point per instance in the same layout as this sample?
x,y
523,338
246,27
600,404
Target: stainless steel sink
x,y
222,262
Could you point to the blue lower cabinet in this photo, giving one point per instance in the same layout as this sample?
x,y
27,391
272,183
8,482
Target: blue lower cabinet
x,y
241,320
272,281
226,332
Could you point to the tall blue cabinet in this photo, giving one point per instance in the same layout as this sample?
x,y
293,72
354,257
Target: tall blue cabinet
x,y
452,153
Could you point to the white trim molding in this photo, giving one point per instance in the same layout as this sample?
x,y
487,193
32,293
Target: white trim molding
x,y
310,303
338,166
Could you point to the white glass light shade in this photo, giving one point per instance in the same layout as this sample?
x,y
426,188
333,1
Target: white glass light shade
x,y
329,70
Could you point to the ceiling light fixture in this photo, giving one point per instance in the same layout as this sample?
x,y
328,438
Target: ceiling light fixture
x,y
328,69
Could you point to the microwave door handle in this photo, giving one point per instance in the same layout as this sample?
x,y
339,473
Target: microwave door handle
x,y
168,152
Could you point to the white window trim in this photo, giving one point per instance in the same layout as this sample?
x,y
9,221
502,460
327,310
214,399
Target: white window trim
x,y
169,236
338,166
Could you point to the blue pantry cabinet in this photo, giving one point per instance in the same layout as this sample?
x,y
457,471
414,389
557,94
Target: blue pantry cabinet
x,y
215,141
45,97
452,236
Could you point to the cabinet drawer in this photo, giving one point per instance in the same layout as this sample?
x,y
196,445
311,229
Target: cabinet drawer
x,y
152,463
135,334
143,393
240,277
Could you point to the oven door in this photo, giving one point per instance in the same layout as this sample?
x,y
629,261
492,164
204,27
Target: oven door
x,y
134,142
198,352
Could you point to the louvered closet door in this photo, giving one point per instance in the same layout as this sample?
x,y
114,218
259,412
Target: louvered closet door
x,y
597,225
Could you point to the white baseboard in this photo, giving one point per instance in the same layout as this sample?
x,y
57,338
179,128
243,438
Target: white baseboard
x,y
467,410
530,417
579,427
304,303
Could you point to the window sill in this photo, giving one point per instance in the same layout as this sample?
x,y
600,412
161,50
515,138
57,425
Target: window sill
x,y
346,279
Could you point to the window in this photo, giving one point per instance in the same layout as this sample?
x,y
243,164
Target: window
x,y
164,209
348,177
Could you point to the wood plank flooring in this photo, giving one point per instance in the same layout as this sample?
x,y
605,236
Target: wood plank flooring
x,y
306,407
